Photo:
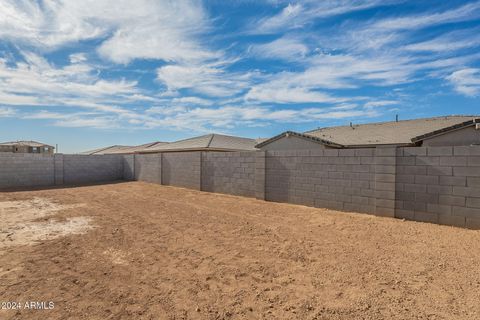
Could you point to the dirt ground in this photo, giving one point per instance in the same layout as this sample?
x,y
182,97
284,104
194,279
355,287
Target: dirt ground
x,y
143,251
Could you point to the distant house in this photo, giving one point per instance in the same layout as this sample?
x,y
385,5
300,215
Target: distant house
x,y
209,142
437,131
26,147
116,149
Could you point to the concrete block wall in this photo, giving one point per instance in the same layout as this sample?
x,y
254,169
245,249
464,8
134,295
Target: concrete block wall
x,y
260,174
229,172
79,169
129,167
148,167
33,170
430,184
330,178
182,169
385,177
439,185
59,169
26,169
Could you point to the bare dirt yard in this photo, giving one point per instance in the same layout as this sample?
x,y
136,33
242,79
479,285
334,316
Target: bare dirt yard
x,y
143,251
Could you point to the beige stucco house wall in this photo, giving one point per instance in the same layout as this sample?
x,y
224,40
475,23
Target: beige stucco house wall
x,y
292,143
26,149
462,137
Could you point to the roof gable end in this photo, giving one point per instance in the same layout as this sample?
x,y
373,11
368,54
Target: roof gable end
x,y
299,135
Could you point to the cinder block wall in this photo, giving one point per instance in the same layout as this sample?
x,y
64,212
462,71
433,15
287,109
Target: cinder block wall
x,y
148,167
31,170
182,169
229,172
59,169
439,185
330,178
384,186
26,169
434,184
129,167
431,184
78,169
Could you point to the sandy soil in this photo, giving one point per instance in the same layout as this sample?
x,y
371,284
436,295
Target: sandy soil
x,y
27,221
146,251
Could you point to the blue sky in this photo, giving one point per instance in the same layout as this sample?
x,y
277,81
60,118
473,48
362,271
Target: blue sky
x,y
86,74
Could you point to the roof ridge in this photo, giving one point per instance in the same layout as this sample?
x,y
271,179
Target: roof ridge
x,y
211,139
186,139
94,151
228,135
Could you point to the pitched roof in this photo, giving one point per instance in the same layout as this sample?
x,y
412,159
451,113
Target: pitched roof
x,y
215,142
299,135
146,145
117,149
25,143
385,133
260,140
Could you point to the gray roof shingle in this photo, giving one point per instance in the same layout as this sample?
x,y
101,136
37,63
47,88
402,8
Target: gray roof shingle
x,y
25,143
116,149
384,133
207,142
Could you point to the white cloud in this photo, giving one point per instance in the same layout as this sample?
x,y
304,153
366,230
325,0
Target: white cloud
x,y
330,72
44,114
160,30
95,122
209,80
394,32
46,24
285,18
228,117
149,29
286,48
37,78
348,71
7,112
194,76
380,103
18,99
466,12
278,94
192,101
78,57
380,52
166,110
295,16
36,83
466,81
451,41
75,120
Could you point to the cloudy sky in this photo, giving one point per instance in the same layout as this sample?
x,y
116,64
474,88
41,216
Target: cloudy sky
x,y
85,74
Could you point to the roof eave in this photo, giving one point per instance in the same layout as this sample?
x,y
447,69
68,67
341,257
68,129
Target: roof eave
x,y
374,145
